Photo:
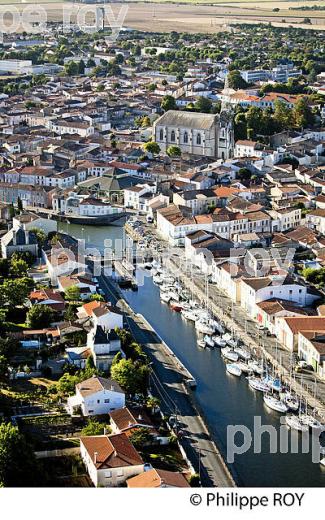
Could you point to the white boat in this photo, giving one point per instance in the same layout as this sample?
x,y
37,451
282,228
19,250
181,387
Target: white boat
x,y
228,353
219,342
244,367
165,297
322,462
217,326
209,341
201,343
189,315
274,383
257,384
203,327
290,401
256,367
275,404
243,353
232,343
233,369
294,422
311,422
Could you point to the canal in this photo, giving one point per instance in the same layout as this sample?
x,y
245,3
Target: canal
x,y
224,399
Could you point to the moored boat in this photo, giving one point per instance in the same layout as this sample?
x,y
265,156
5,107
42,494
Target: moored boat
x,y
228,353
294,422
257,384
275,404
233,369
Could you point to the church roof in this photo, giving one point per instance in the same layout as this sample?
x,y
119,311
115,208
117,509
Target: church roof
x,y
180,118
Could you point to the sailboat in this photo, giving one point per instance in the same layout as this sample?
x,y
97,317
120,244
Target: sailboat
x,y
243,353
290,401
233,369
165,297
294,422
256,367
311,421
218,341
274,403
228,353
244,367
209,341
257,384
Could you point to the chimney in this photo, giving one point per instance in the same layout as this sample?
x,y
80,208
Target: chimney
x,y
95,457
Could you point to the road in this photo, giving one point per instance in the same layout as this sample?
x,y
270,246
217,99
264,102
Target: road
x,y
167,383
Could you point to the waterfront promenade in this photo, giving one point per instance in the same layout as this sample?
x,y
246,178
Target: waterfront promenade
x,y
259,343
167,382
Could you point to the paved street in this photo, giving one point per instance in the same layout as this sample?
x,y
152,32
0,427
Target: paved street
x,y
167,383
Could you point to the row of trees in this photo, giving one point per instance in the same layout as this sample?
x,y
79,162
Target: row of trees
x,y
258,122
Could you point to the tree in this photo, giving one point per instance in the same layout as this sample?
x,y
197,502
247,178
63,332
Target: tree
x,y
19,204
14,292
3,368
236,81
203,104
302,114
39,316
40,236
72,293
71,68
90,63
131,376
4,267
151,147
67,383
283,114
93,427
141,438
18,466
168,103
95,297
81,67
174,151
70,313
18,267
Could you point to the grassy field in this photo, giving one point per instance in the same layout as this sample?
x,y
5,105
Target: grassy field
x,y
197,15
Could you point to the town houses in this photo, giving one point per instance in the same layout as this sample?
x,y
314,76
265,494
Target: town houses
x,y
143,176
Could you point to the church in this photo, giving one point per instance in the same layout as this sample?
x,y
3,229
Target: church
x,y
207,135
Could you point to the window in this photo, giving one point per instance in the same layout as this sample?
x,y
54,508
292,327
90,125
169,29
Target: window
x,y
161,135
120,472
172,136
108,474
106,400
98,401
185,138
198,139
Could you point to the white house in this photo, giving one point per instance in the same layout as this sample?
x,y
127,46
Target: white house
x,y
104,346
287,329
110,459
102,315
311,348
30,221
96,396
138,197
259,289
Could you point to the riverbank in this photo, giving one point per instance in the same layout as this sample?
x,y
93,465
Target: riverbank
x,y
170,381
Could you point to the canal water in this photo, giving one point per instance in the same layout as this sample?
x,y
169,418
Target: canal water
x,y
224,399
